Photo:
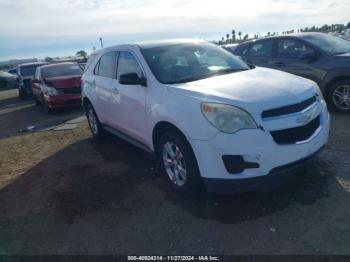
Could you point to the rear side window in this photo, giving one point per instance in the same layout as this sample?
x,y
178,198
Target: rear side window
x,y
106,65
261,49
127,64
291,48
89,62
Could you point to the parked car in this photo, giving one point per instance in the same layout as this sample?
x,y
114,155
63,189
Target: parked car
x,y
206,114
7,80
13,71
57,85
25,76
320,57
230,47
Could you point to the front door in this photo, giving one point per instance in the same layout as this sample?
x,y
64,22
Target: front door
x,y
132,99
289,58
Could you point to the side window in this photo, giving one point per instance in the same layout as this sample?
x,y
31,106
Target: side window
x,y
261,49
128,64
292,48
106,66
89,62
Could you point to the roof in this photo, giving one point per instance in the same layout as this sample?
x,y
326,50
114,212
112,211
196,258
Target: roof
x,y
58,64
298,35
34,64
158,43
153,43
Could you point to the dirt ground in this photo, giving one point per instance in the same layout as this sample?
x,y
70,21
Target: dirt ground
x,y
62,192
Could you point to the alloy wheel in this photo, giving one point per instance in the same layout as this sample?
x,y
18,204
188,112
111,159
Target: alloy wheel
x,y
174,164
341,97
92,121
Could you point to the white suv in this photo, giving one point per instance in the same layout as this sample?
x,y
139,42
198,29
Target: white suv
x,y
207,115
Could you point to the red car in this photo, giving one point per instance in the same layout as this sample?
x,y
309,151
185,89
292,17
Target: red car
x,y
57,85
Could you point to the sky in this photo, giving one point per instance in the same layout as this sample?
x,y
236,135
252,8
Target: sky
x,y
40,28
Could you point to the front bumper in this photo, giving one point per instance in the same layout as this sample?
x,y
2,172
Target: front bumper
x,y
63,100
274,179
255,146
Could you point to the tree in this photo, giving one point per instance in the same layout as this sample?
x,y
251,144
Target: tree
x,y
233,35
240,35
228,37
348,25
81,53
245,38
48,59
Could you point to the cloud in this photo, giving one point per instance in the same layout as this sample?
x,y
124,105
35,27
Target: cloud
x,y
81,19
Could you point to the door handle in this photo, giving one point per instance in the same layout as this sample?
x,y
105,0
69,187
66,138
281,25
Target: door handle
x,y
115,90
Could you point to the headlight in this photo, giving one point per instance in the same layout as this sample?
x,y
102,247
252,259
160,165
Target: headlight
x,y
51,91
226,118
319,94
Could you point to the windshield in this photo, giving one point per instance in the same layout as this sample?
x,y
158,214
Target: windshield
x,y
182,63
330,44
28,70
61,70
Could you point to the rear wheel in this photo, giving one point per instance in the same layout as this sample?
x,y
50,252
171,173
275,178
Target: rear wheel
x,y
339,96
178,162
94,124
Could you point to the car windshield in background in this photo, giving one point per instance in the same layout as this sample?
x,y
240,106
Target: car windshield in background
x,y
61,70
182,63
330,44
28,70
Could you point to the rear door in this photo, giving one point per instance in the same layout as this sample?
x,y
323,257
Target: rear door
x,y
260,53
105,85
289,52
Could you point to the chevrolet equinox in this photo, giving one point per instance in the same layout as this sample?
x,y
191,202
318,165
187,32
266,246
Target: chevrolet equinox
x,y
206,114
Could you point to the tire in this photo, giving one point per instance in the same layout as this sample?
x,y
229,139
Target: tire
x,y
178,162
21,94
46,107
94,123
37,101
338,96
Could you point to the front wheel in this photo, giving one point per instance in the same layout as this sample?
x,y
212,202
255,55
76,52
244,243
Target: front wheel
x,y
178,162
339,96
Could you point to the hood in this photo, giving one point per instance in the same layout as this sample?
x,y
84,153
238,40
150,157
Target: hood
x,y
254,90
64,81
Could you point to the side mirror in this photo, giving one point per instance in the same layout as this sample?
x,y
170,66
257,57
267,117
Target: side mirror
x,y
132,79
308,56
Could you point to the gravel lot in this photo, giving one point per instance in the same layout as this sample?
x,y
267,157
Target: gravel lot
x,y
61,192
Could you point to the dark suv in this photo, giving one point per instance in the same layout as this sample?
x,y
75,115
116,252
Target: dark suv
x,y
317,56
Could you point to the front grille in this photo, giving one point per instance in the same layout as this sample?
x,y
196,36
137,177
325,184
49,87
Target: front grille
x,y
285,110
72,102
72,90
296,134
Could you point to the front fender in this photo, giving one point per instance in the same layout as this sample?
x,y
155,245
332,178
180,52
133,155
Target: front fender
x,y
333,74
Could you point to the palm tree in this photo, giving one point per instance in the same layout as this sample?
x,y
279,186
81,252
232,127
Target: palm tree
x,y
233,35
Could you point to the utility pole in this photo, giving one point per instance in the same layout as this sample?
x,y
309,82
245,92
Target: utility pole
x,y
101,42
